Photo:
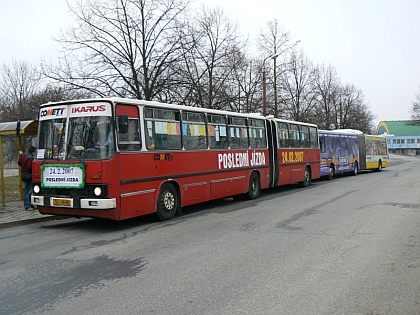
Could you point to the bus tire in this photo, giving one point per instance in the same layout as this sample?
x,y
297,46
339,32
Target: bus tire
x,y
331,172
307,178
254,188
379,166
356,169
167,202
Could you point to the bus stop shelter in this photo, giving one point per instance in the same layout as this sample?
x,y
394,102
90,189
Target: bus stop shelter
x,y
19,129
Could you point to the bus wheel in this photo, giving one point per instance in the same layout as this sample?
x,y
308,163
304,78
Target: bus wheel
x,y
379,166
254,186
331,172
167,202
306,178
356,169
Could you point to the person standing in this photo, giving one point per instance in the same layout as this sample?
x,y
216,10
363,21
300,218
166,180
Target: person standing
x,y
25,161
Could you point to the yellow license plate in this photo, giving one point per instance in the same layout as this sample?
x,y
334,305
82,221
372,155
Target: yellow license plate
x,y
62,202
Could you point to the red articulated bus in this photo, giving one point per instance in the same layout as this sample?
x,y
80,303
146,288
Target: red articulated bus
x,y
118,158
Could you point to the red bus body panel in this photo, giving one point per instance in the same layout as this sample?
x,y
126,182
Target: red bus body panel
x,y
195,174
134,179
292,164
97,172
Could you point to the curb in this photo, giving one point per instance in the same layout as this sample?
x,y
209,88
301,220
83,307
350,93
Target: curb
x,y
30,221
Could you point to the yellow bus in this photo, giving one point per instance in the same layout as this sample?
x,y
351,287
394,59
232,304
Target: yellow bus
x,y
377,156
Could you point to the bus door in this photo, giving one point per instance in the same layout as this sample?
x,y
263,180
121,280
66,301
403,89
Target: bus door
x,y
136,196
273,152
362,151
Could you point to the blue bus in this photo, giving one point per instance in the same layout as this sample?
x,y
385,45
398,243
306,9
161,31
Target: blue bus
x,y
339,152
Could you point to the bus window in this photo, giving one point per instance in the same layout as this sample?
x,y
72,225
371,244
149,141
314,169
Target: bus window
x,y
294,136
217,132
322,144
314,137
163,129
130,141
304,132
257,133
283,135
382,148
194,131
238,133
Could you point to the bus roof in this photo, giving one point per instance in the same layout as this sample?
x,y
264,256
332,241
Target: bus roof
x,y
342,131
271,117
119,100
126,101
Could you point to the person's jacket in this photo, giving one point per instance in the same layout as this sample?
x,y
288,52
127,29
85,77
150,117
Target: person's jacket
x,y
25,161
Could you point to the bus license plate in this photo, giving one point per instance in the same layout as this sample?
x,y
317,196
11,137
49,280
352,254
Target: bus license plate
x,y
62,202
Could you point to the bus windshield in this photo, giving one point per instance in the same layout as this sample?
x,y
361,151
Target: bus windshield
x,y
90,137
52,135
85,138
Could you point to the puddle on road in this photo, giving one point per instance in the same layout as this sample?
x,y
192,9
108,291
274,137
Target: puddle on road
x,y
42,285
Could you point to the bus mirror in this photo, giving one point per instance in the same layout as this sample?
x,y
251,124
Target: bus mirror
x,y
123,124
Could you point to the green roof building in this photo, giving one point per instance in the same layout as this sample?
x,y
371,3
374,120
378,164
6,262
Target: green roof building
x,y
402,138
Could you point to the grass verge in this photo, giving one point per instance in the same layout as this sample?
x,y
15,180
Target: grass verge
x,y
11,188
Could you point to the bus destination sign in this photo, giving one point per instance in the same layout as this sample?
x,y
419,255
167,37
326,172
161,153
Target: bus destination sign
x,y
63,176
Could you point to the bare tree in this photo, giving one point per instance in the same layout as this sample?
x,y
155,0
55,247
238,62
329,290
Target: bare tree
x,y
157,50
325,85
21,93
211,55
19,83
248,80
56,93
415,111
353,110
339,106
120,47
275,44
297,93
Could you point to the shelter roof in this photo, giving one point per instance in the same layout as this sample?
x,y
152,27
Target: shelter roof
x,y
27,128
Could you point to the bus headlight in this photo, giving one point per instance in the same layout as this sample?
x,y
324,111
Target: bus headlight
x,y
37,189
97,191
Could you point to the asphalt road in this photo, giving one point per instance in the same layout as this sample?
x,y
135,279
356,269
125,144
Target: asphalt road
x,y
346,246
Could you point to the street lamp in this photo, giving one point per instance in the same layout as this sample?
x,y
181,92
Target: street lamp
x,y
271,56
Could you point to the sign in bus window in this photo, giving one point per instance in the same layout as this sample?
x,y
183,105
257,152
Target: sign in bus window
x,y
194,134
304,131
217,132
217,137
294,136
163,129
283,135
238,133
257,134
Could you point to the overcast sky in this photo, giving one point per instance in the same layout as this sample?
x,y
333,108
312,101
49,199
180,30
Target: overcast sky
x,y
373,44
